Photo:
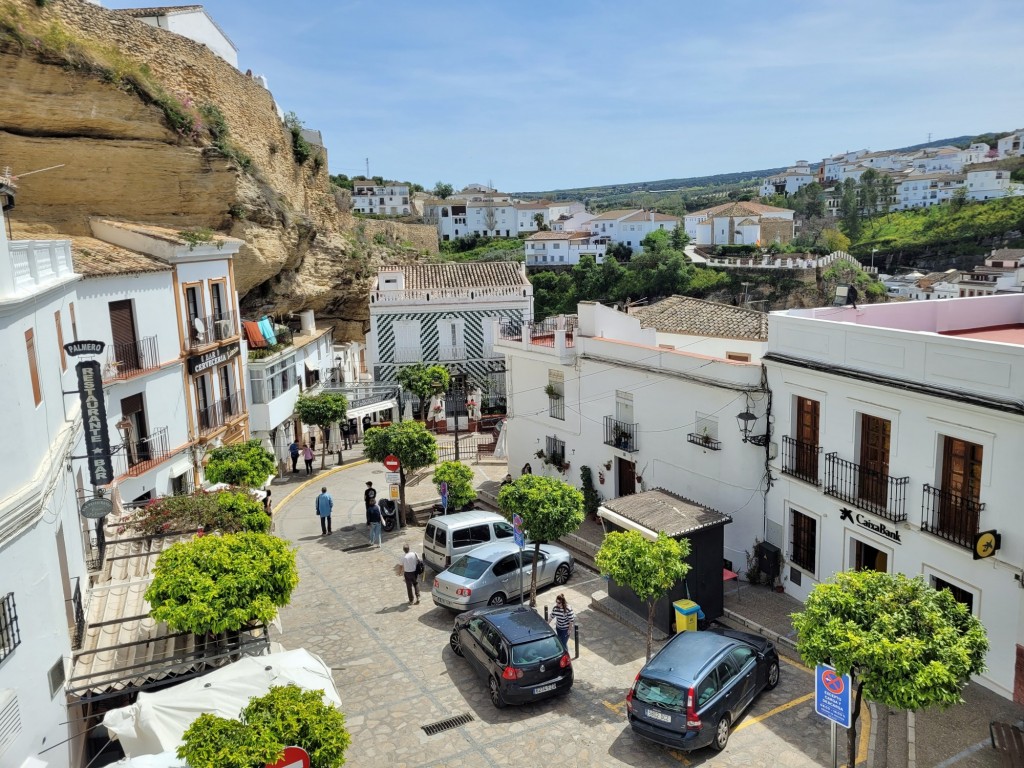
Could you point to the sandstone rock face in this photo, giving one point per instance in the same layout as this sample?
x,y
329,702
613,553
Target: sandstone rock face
x,y
122,160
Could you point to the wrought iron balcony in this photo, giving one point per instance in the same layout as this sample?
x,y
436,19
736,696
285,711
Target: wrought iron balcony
x,y
950,516
704,441
451,352
855,484
77,628
131,358
140,455
97,548
800,460
556,407
212,329
408,354
220,413
620,434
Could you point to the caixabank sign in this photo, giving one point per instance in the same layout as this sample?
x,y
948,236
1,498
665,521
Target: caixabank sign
x,y
865,522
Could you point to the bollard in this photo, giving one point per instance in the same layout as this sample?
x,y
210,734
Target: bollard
x,y
576,639
546,614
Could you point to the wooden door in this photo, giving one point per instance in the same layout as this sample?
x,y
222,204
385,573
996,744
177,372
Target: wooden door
x,y
874,460
626,471
961,488
807,417
203,403
122,329
138,439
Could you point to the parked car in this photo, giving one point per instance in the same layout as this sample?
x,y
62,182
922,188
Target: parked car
x,y
447,537
515,651
694,689
489,575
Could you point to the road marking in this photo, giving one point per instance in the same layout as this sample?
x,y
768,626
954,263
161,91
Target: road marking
x,y
317,479
775,711
618,709
796,665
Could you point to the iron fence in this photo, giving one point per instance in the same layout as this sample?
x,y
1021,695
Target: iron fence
x,y
950,516
77,628
131,357
800,459
97,548
139,456
467,448
211,329
10,636
218,414
868,489
556,407
620,434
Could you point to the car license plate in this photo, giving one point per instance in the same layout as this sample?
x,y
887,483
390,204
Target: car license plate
x,y
544,688
656,715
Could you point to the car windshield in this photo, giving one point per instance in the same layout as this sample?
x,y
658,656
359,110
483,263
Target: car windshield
x,y
659,692
537,650
469,567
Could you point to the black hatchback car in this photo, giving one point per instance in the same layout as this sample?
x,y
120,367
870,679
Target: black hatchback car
x,y
694,689
515,651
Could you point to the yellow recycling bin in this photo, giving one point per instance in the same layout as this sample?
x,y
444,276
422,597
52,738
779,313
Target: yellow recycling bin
x,y
686,615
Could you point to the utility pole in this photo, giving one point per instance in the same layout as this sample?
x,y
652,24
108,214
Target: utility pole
x,y
368,167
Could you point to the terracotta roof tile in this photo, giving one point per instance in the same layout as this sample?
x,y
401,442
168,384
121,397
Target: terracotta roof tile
x,y
559,235
650,216
746,208
469,275
660,510
96,258
615,215
682,314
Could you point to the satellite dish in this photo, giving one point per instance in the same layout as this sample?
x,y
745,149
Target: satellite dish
x,y
200,326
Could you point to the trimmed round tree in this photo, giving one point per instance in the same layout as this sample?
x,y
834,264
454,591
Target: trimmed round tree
x,y
905,644
246,464
323,410
218,584
649,568
460,483
424,381
284,716
410,441
550,508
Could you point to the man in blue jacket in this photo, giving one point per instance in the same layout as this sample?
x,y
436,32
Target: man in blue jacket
x,y
324,507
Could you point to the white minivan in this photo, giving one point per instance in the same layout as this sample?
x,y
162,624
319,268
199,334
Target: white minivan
x,y
446,537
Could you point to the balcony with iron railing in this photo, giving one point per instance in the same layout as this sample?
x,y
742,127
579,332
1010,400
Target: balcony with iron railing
x,y
865,488
212,329
620,434
408,354
220,413
556,335
96,548
128,359
950,516
138,456
77,628
451,352
800,460
556,407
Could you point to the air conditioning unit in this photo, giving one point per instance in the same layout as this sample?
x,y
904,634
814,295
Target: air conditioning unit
x,y
224,329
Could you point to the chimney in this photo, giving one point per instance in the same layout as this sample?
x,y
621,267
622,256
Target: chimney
x,y
308,322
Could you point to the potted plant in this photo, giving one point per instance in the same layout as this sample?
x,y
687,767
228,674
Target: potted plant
x,y
540,454
705,436
622,437
550,391
471,412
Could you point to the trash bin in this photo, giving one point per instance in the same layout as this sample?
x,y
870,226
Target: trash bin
x,y
686,615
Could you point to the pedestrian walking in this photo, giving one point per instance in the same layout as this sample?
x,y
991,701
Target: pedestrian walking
x,y
564,619
373,522
346,435
324,507
293,449
307,456
413,567
367,423
267,505
369,495
312,439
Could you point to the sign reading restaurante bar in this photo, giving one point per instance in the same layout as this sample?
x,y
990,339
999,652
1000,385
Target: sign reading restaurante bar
x,y
94,420
207,360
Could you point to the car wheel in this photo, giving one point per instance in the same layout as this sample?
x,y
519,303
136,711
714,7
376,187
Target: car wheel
x,y
721,734
561,575
495,691
498,598
773,675
455,642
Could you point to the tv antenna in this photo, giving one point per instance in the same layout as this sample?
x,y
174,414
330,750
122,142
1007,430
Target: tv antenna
x,y
13,179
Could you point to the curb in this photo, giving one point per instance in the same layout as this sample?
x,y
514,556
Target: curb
x,y
317,479
775,637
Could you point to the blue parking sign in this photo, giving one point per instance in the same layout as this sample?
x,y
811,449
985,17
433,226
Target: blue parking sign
x,y
519,538
833,695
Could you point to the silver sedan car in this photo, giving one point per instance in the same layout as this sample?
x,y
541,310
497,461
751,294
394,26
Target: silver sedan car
x,y
489,575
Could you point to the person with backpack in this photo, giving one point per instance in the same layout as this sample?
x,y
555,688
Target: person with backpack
x,y
413,567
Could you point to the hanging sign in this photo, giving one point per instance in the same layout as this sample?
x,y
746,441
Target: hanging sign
x,y
207,360
97,508
94,420
84,347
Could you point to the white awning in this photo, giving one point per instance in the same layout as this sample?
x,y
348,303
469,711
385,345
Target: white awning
x,y
311,365
180,466
625,522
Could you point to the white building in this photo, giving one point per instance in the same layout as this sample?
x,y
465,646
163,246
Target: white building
x,y
630,227
646,401
789,181
986,184
191,21
563,249
935,285
386,200
445,313
920,190
1003,272
743,223
1010,146
575,222
901,430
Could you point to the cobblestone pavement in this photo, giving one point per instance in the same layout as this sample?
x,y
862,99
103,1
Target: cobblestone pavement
x,y
395,672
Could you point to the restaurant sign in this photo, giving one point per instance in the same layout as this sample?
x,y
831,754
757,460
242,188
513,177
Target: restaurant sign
x,y
94,420
215,357
84,347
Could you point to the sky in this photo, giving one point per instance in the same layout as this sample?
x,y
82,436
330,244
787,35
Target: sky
x,y
531,96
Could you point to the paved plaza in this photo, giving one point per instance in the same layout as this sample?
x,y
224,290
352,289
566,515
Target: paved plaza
x,y
395,672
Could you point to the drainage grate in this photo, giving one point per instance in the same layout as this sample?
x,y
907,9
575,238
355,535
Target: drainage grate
x,y
444,725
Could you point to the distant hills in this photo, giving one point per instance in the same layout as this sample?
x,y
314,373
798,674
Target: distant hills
x,y
706,184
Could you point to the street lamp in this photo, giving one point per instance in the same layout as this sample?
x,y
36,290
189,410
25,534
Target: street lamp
x,y
873,252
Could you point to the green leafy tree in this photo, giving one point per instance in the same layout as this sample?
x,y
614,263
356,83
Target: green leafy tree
x,y
905,644
410,441
323,410
247,464
215,584
424,381
679,239
460,483
959,199
808,201
443,190
591,496
849,209
223,511
649,568
550,509
286,715
835,240
886,192
869,181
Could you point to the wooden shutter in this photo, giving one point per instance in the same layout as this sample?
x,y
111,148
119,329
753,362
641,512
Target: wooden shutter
x,y
122,327
60,341
874,459
33,366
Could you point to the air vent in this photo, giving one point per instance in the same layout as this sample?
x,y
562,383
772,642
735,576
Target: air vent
x,y
10,718
795,576
444,725
56,677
